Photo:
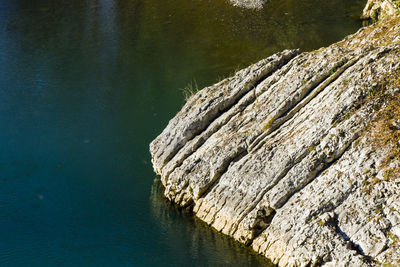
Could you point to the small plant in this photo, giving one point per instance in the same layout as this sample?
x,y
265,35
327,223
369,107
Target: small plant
x,y
235,70
371,92
375,15
335,69
388,175
375,180
268,124
190,90
345,82
348,115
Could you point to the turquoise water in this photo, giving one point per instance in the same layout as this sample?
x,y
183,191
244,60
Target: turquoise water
x,y
85,85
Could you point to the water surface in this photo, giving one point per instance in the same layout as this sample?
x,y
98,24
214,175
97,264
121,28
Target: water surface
x,y
85,85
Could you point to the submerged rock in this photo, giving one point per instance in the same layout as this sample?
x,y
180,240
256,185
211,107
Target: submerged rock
x,y
252,4
297,155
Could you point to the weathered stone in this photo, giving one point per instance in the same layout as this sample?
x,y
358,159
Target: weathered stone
x,y
252,4
285,155
375,9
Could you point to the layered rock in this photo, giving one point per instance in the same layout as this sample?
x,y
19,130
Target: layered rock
x,y
252,4
293,155
377,9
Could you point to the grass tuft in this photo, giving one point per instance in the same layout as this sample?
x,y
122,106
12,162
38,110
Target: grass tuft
x,y
190,89
268,124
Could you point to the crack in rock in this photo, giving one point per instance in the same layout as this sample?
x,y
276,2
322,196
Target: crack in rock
x,y
278,155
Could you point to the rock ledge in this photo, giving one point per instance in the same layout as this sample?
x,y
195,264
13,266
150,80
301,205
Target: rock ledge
x,y
298,155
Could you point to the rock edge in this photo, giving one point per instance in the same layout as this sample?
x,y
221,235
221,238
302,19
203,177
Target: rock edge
x,y
298,155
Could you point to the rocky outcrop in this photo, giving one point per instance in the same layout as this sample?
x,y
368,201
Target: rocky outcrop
x,y
253,4
376,9
297,155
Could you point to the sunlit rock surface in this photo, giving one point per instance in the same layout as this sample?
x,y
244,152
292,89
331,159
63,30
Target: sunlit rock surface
x,y
295,155
253,4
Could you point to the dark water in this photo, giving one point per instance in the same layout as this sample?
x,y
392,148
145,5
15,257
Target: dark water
x,y
85,85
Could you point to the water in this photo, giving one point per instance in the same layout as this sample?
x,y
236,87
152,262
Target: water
x,y
85,85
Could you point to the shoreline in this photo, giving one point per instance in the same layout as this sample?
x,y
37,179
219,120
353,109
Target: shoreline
x,y
293,155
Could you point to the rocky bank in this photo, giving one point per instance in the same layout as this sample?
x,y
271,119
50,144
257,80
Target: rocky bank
x,y
298,155
253,4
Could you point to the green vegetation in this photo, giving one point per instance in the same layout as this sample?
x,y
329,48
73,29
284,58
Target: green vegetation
x,y
191,89
371,92
345,82
397,2
375,15
335,69
384,129
268,124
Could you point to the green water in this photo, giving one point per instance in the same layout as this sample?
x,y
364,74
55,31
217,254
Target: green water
x,y
85,85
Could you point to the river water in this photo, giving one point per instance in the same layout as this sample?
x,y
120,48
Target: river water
x,y
85,85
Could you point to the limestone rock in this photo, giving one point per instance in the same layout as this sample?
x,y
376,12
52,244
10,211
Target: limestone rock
x,y
252,4
376,9
294,155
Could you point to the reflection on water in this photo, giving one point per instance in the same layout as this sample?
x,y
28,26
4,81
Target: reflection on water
x,y
201,243
107,26
85,85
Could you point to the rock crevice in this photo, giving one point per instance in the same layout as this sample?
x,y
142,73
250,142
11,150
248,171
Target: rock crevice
x,y
283,156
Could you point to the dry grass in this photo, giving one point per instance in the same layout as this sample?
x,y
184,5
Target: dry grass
x,y
384,32
190,89
385,129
